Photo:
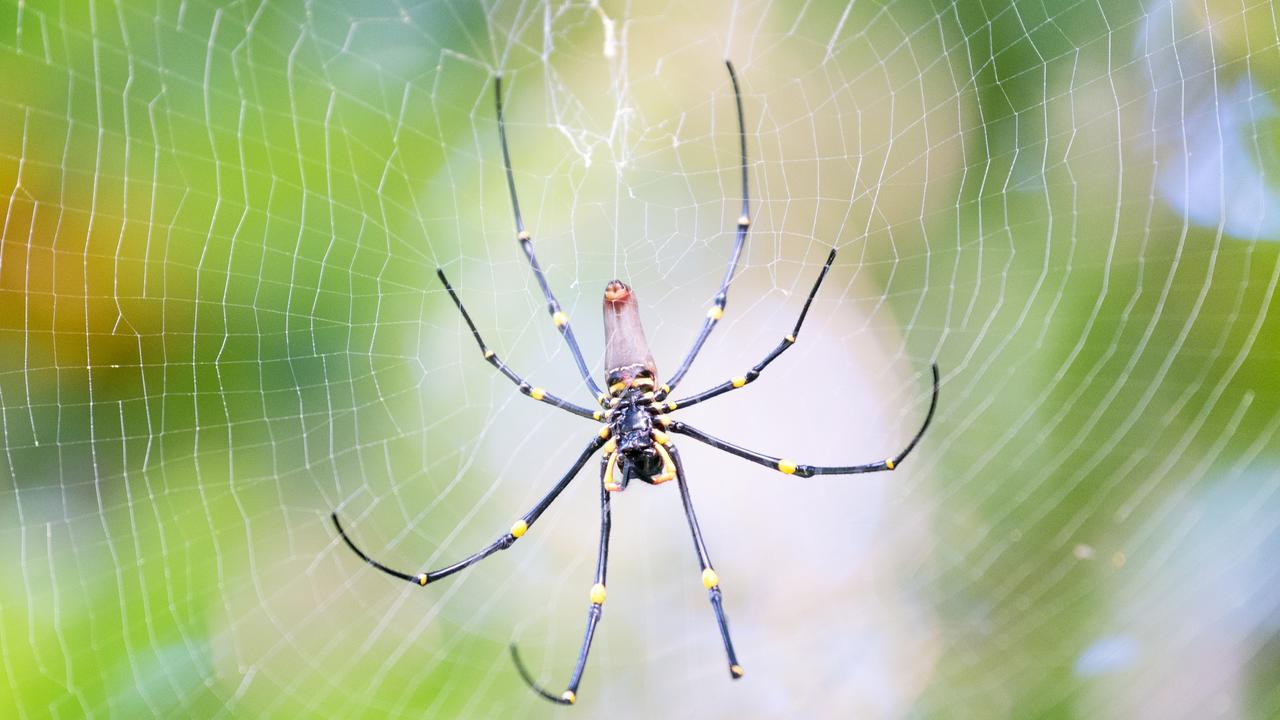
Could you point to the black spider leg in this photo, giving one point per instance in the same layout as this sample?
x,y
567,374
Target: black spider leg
x,y
593,614
744,221
517,530
536,393
710,580
791,468
753,373
553,306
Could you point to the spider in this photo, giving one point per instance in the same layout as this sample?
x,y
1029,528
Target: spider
x,y
636,429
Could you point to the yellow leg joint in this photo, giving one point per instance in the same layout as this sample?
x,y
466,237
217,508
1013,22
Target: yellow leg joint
x,y
609,483
597,594
609,447
422,579
523,235
560,319
666,389
519,528
790,338
710,579
597,415
569,697
744,221
735,671
668,467
604,432
671,406
739,381
661,437
716,312
537,393
890,463
488,354
786,466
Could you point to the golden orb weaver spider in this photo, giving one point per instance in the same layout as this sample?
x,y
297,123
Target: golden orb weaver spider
x,y
635,435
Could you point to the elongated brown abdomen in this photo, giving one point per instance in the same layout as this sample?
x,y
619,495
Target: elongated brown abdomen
x,y
626,352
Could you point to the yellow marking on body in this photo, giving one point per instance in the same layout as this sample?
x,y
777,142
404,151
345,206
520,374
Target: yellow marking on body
x,y
716,312
519,528
560,319
790,338
744,221
710,579
890,463
537,393
619,386
422,579
569,697
786,466
643,381
597,594
661,437
668,467
672,406
647,396
604,432
523,235
609,484
488,354
738,381
735,670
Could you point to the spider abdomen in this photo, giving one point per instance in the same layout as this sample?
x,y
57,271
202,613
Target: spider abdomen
x,y
627,359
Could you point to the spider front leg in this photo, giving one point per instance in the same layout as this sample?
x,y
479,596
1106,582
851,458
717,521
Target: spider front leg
x,y
558,315
710,580
593,613
789,467
716,311
518,529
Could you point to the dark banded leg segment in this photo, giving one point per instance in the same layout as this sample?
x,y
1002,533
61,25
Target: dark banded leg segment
x,y
570,695
787,342
558,315
492,358
744,222
710,580
518,529
789,467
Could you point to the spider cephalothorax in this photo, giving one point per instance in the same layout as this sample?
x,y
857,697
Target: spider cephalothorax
x,y
634,436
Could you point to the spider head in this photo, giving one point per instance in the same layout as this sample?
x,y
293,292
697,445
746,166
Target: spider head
x,y
633,427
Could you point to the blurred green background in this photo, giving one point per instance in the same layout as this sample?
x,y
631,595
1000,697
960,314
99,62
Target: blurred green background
x,y
219,321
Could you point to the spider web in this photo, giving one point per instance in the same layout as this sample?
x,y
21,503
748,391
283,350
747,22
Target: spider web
x,y
219,321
